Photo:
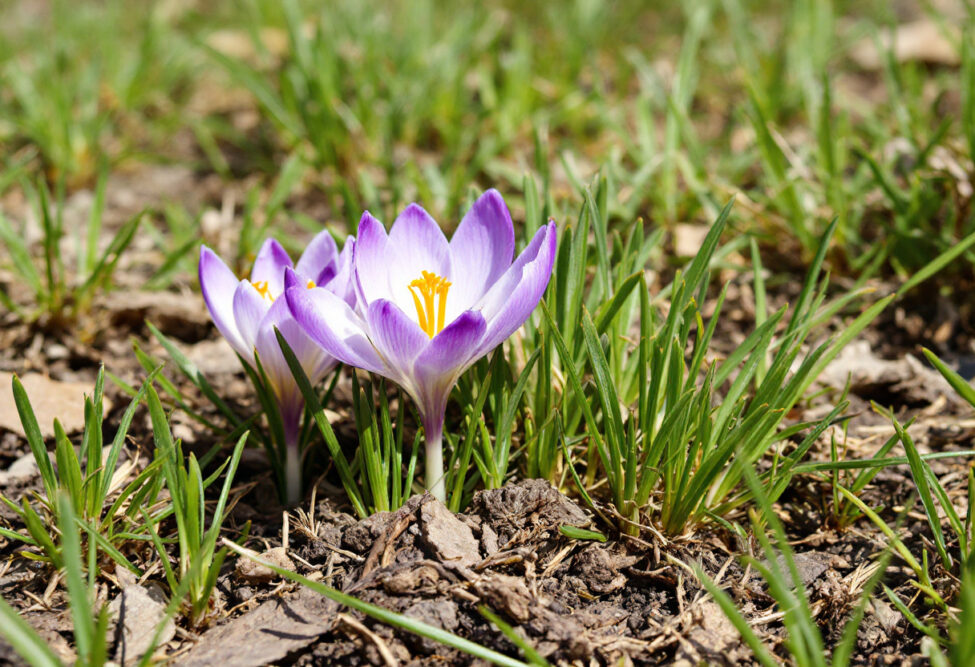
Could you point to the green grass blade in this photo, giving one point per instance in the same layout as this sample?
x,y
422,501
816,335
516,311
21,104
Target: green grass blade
x,y
34,439
957,382
78,594
24,639
533,656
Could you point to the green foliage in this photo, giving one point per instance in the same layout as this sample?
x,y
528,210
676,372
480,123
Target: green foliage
x,y
88,488
804,643
84,83
59,294
271,439
24,639
380,456
198,559
90,625
651,419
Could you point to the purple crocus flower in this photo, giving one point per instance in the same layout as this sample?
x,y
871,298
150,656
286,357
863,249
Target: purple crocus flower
x,y
247,311
428,308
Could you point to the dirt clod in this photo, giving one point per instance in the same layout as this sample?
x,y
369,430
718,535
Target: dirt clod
x,y
255,573
450,539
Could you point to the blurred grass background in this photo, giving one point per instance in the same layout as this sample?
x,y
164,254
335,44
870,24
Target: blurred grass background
x,y
802,110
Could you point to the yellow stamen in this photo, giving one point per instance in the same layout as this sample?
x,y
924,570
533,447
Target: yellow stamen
x,y
311,283
433,291
263,290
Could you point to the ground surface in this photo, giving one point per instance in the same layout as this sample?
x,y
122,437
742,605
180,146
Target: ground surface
x,y
633,597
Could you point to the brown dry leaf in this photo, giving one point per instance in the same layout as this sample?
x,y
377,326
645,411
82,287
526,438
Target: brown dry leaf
x,y
918,41
266,634
140,611
50,399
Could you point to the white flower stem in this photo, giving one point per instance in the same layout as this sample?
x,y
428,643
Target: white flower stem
x,y
292,474
433,475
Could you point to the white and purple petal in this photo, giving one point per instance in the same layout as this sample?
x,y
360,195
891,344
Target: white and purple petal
x,y
313,359
331,323
513,298
343,283
370,261
272,260
441,363
249,309
317,262
416,244
482,247
396,336
218,284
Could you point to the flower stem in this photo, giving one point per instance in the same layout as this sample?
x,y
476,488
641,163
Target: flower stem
x,y
292,474
433,475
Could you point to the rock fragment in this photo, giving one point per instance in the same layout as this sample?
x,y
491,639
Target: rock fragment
x,y
450,539
255,573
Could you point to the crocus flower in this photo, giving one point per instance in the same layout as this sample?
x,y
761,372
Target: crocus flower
x,y
247,311
428,308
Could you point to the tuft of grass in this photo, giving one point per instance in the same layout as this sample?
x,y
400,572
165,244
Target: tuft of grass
x,y
198,559
87,489
653,422
62,289
804,643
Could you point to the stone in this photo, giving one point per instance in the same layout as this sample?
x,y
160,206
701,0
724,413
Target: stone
x,y
255,573
450,539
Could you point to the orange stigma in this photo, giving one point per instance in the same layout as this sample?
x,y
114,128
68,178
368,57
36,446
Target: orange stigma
x,y
263,290
430,297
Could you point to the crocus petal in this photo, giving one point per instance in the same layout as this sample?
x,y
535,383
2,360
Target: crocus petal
x,y
482,247
342,283
249,309
416,244
292,279
318,259
331,323
218,284
313,359
272,260
513,298
370,260
448,355
397,337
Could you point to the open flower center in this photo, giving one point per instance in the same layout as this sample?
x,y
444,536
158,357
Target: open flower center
x,y
430,297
